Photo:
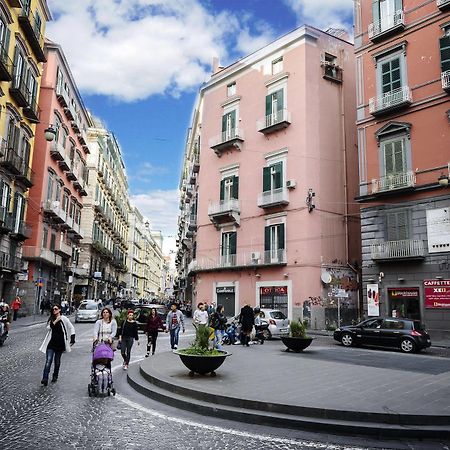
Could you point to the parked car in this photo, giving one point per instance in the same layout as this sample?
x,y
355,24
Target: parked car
x,y
278,322
142,312
406,334
88,311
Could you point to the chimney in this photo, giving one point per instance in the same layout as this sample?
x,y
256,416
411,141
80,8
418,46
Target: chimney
x,y
215,65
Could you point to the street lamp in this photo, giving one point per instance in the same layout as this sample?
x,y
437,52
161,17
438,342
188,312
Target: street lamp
x,y
443,180
50,133
76,252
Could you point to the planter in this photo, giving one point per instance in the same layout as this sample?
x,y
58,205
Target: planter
x,y
202,364
296,344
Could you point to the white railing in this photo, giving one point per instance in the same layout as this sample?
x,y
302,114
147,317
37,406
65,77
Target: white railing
x,y
226,136
408,248
390,99
442,2
445,78
391,182
244,259
272,119
386,24
224,206
274,197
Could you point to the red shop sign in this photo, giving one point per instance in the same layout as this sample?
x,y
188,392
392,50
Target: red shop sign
x,y
437,293
273,290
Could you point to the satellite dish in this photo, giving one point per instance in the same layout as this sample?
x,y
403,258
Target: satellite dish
x,y
326,277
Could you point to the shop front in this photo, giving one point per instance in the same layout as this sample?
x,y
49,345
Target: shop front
x,y
226,296
404,302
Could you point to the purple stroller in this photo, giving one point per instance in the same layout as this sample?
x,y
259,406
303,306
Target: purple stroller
x,y
101,374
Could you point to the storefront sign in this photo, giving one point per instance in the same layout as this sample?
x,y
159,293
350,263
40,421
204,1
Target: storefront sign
x,y
373,300
225,290
403,293
274,290
437,293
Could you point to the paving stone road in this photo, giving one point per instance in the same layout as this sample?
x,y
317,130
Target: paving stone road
x,y
62,416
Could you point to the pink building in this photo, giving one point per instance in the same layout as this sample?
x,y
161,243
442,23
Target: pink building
x,y
269,174
60,184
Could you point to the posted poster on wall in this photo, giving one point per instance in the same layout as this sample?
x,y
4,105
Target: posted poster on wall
x,y
373,300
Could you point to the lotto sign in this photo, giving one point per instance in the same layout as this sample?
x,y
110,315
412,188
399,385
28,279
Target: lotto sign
x,y
437,293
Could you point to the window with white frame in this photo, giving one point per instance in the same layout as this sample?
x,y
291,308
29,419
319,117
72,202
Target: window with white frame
x,y
273,177
5,36
385,13
277,65
228,248
274,243
394,156
229,125
275,107
5,199
444,44
229,188
231,89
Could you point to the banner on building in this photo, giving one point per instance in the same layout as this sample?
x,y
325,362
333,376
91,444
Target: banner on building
x,y
437,293
274,290
373,300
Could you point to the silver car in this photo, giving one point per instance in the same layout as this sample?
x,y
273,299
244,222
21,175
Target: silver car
x,y
88,311
278,322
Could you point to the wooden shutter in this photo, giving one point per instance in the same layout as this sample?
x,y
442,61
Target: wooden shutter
x,y
267,239
235,187
444,44
224,123
233,119
6,42
268,104
375,11
222,190
280,234
278,176
397,224
399,158
232,241
280,100
266,179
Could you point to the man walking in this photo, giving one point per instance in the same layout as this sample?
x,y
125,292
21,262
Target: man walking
x,y
15,305
174,321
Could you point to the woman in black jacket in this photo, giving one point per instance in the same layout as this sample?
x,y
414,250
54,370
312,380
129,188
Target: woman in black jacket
x,y
218,321
247,320
128,334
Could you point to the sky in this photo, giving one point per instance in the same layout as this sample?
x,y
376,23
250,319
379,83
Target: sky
x,y
140,63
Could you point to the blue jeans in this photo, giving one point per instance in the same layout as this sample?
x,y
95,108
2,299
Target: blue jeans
x,y
125,348
174,333
49,355
218,336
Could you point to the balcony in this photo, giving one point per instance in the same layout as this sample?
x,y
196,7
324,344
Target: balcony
x,y
276,197
9,262
62,96
21,230
65,163
225,211
70,174
239,261
31,111
26,175
15,3
445,78
11,160
6,65
274,122
227,140
390,101
57,151
63,249
393,182
75,127
443,4
19,91
196,163
53,209
192,226
31,29
76,230
331,72
386,26
6,224
395,250
70,113
45,255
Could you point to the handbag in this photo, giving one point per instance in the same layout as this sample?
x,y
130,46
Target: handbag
x,y
119,345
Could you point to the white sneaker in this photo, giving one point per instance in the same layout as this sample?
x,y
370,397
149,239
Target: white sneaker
x,y
175,347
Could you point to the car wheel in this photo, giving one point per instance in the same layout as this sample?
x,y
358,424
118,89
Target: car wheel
x,y
347,340
267,334
407,346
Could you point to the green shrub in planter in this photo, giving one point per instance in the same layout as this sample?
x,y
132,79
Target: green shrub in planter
x,y
298,329
200,346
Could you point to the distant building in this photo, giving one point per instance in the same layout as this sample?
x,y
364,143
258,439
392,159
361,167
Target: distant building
x,y
268,181
403,124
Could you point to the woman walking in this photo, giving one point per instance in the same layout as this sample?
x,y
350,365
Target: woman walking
x,y
105,329
60,337
128,333
218,321
154,324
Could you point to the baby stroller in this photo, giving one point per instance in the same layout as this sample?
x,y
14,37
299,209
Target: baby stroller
x,y
230,338
101,374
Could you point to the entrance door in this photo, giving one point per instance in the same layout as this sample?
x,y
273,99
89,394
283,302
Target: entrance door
x,y
404,303
227,300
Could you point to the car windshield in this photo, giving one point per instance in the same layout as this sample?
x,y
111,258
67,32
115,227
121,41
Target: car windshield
x,y
89,306
277,315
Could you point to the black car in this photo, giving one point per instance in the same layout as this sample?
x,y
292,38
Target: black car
x,y
142,312
406,334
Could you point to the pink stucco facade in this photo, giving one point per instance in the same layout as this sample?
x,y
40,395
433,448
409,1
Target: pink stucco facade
x,y
293,138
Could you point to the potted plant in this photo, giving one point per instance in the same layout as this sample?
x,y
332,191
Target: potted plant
x,y
199,357
298,339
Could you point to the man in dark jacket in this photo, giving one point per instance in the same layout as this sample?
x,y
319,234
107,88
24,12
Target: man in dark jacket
x,y
246,320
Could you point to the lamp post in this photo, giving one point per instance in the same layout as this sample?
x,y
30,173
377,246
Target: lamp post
x,y
75,254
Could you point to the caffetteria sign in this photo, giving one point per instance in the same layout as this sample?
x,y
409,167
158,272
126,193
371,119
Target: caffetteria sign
x,y
437,293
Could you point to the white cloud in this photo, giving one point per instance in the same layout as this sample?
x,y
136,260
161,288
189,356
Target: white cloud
x,y
131,49
323,14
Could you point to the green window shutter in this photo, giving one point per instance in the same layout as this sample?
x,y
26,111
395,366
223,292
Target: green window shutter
x,y
280,100
224,122
278,177
235,187
399,159
267,239
444,44
16,75
223,247
268,105
222,190
280,236
22,209
398,226
388,158
266,179
375,11
233,237
6,42
233,119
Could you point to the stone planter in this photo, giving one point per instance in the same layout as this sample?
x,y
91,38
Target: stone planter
x,y
202,364
296,344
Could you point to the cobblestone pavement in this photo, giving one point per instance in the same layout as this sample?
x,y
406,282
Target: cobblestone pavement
x,y
62,416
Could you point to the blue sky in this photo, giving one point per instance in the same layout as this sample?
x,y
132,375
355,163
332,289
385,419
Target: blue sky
x,y
140,63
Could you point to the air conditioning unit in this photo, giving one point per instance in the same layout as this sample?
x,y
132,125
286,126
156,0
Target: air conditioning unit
x,y
256,256
291,184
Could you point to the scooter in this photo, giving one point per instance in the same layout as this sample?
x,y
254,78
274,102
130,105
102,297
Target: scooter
x,y
4,329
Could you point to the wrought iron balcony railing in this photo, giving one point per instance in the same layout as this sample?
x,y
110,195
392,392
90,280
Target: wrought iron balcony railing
x,y
445,78
392,182
387,25
394,99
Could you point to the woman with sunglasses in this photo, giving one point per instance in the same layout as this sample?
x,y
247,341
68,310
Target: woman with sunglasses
x,y
60,337
105,329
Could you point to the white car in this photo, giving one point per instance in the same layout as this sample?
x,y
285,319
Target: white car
x,y
88,311
278,322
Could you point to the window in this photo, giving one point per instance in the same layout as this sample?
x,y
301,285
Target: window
x,y
274,244
385,14
44,236
32,89
231,89
274,107
277,66
444,44
229,125
19,69
229,188
394,157
228,249
37,23
273,177
390,75
397,225
5,199
50,186
4,39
